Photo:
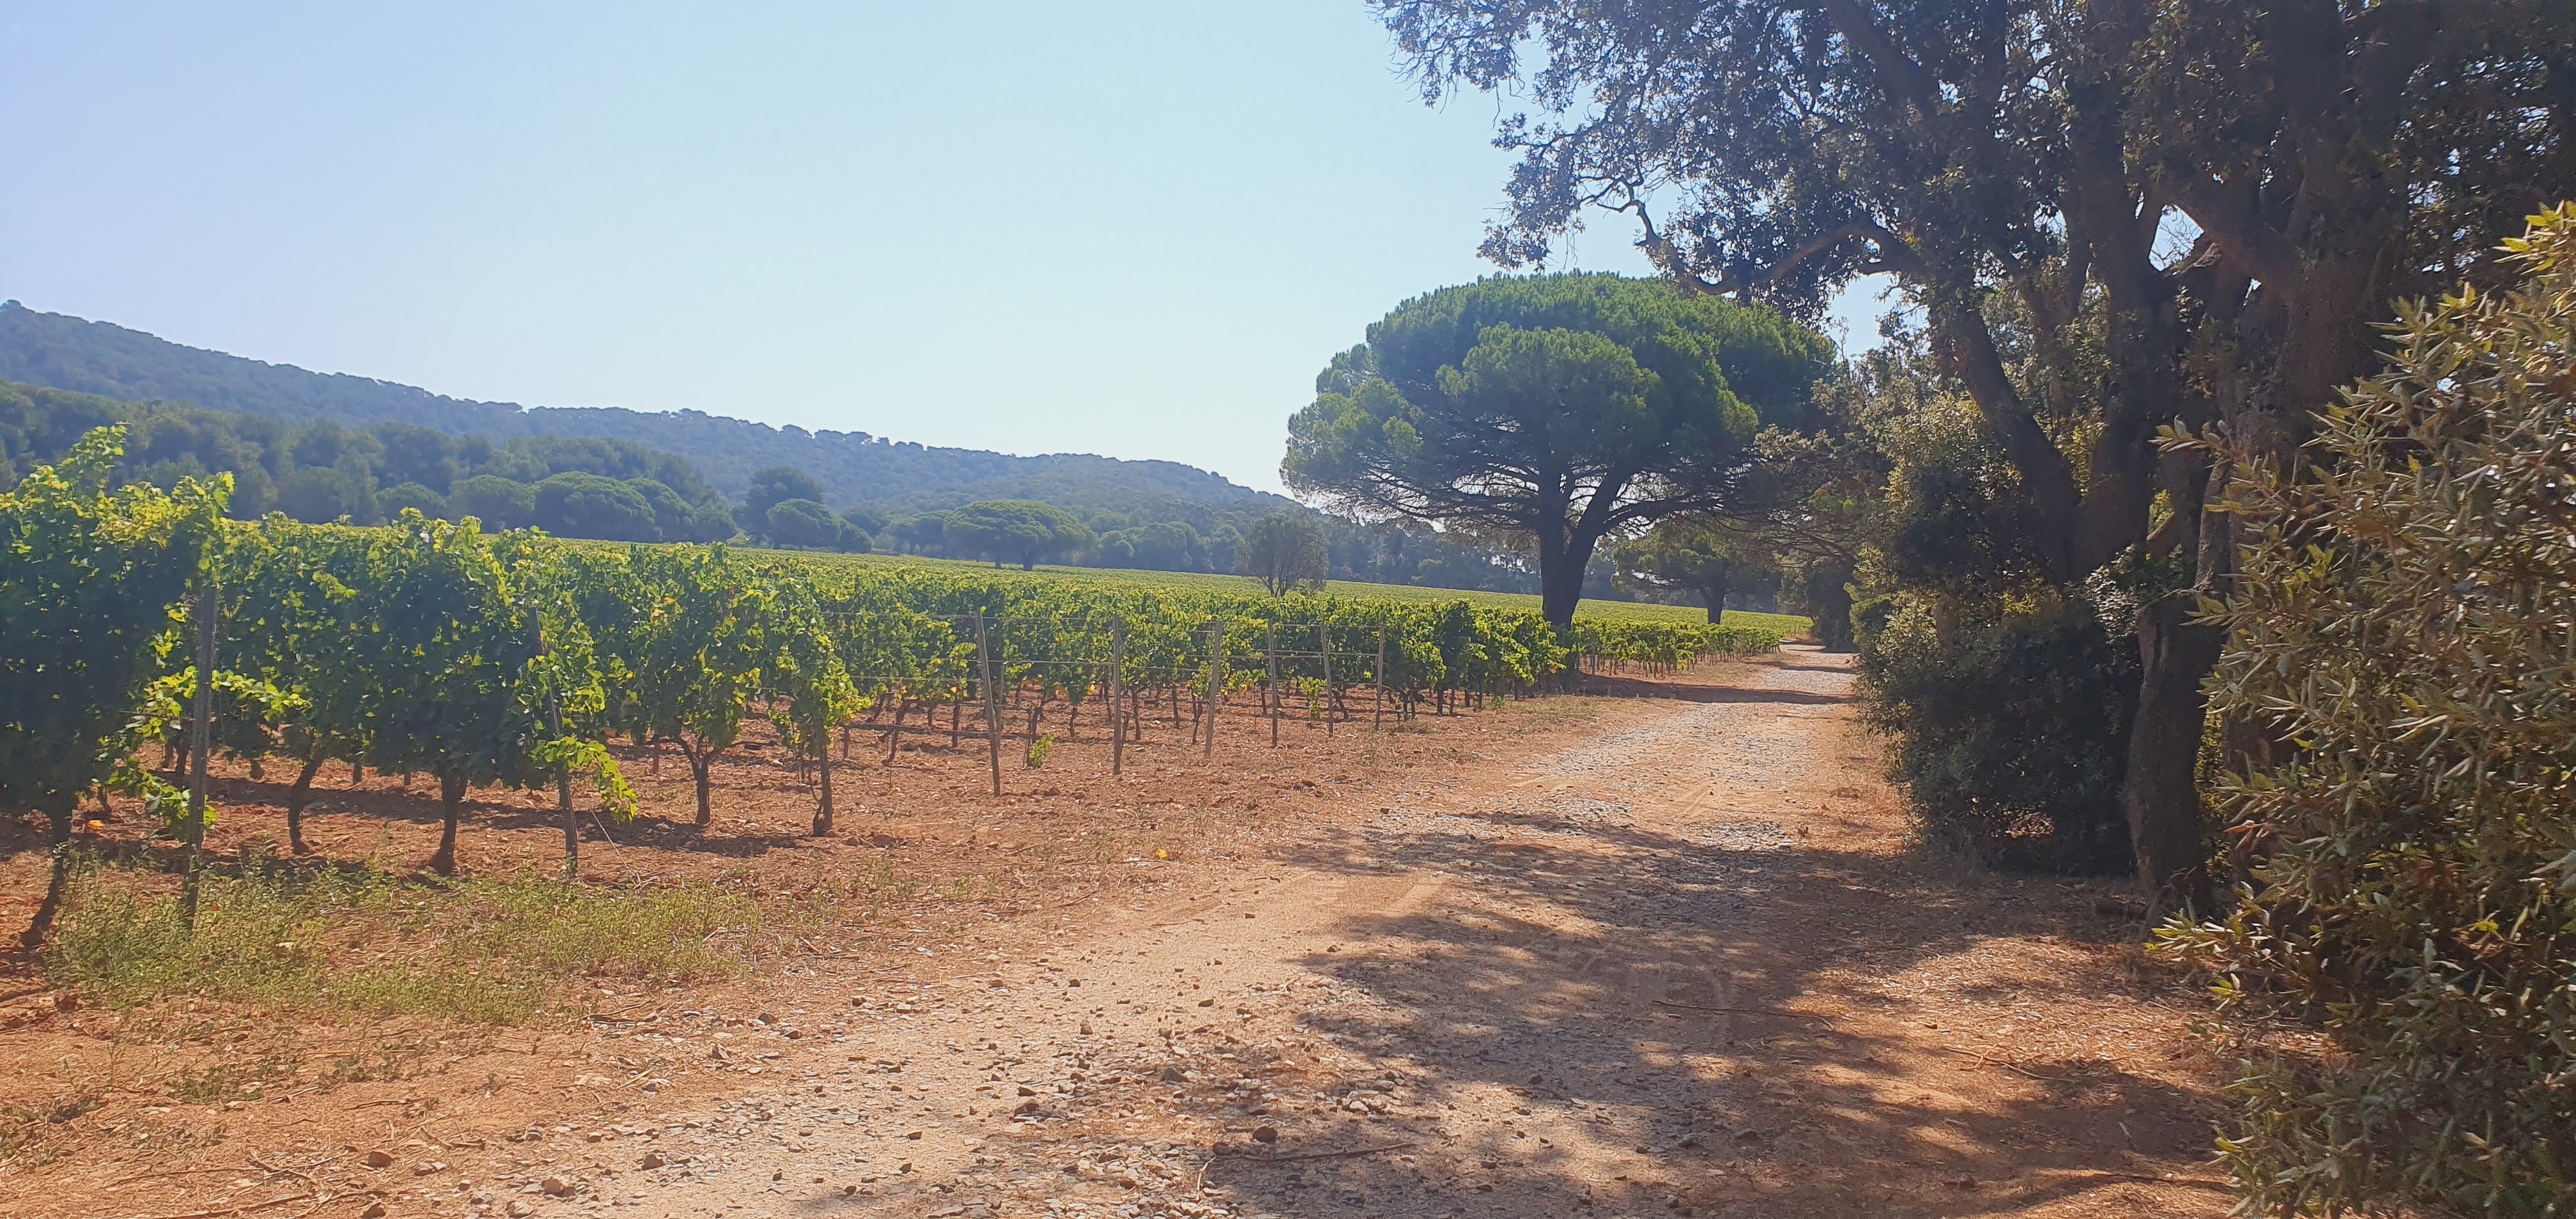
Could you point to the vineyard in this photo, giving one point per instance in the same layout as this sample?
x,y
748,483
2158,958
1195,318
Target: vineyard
x,y
1114,581
517,660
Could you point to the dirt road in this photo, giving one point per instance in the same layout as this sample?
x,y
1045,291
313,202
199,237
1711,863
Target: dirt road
x,y
1683,966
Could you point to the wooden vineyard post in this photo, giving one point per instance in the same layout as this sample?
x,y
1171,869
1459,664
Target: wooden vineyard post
x,y
1324,648
823,775
201,720
1117,686
992,697
1216,682
563,773
201,740
563,795
1270,684
1377,707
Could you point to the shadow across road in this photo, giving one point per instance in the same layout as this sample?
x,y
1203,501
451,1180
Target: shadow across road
x,y
1685,1026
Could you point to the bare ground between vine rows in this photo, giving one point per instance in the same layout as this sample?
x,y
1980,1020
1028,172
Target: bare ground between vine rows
x,y
1601,955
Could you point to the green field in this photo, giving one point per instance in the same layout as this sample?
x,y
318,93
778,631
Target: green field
x,y
1119,577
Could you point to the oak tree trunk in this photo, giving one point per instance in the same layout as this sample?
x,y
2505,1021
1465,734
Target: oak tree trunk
x,y
2161,792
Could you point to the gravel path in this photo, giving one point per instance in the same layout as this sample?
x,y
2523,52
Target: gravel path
x,y
1447,1010
1645,975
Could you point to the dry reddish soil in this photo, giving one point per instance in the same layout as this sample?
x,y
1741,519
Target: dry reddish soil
x,y
1658,950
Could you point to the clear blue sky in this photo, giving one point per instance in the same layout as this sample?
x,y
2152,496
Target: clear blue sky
x,y
1127,228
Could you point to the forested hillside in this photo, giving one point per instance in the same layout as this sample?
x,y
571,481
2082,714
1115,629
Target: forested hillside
x,y
326,468
317,471
63,352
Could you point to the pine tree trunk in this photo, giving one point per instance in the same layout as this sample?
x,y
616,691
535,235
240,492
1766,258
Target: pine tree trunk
x,y
1714,592
1561,564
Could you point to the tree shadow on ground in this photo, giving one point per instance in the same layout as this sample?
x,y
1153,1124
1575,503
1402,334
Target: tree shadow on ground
x,y
332,807
1700,1016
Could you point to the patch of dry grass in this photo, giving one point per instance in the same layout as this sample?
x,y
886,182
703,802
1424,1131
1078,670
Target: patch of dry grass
x,y
487,950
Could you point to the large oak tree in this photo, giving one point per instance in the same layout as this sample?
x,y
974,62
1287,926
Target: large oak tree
x,y
2200,207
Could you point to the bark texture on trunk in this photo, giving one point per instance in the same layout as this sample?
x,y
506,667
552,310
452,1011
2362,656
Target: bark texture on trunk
x,y
1714,592
2161,794
1560,577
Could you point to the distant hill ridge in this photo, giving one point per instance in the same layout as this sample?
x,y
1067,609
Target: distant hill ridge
x,y
70,353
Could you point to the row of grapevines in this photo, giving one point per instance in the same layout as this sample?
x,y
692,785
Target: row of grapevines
x,y
512,659
432,647
89,578
424,647
912,628
1666,646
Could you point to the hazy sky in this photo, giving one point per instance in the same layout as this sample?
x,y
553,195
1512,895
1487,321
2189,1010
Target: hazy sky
x,y
1127,228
